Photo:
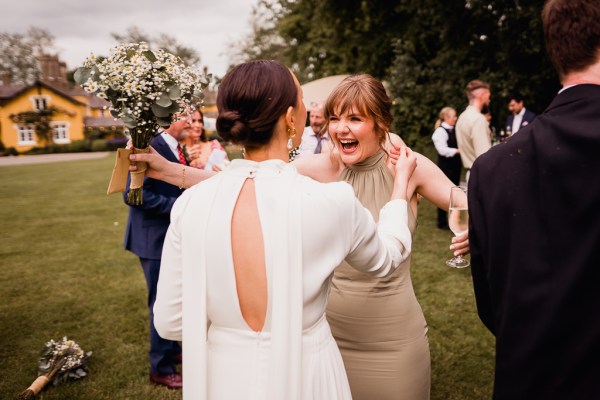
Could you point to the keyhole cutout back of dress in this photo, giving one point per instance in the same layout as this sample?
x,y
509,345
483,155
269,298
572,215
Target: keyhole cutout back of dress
x,y
247,247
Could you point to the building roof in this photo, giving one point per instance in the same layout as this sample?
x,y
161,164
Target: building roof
x,y
12,91
8,91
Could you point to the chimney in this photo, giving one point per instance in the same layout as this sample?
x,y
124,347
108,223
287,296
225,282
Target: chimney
x,y
5,77
52,70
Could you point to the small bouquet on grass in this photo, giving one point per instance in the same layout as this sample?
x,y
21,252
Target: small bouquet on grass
x,y
61,361
145,88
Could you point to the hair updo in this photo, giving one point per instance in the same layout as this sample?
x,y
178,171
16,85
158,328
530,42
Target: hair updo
x,y
251,99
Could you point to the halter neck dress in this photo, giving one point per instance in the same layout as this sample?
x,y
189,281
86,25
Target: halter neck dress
x,y
378,323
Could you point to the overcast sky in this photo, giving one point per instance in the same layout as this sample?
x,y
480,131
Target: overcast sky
x,y
82,26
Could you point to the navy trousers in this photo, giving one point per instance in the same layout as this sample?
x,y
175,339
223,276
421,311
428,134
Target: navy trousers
x,y
162,351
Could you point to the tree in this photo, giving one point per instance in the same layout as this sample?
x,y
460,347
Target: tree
x,y
163,41
499,42
427,51
19,53
263,42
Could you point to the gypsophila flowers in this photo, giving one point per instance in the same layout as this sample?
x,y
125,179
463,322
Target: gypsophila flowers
x,y
146,89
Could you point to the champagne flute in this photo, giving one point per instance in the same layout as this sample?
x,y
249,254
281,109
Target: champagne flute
x,y
458,220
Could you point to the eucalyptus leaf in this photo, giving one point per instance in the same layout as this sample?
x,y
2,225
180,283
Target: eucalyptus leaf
x,y
174,92
169,84
173,108
130,53
129,121
163,123
160,112
82,75
96,74
150,56
163,100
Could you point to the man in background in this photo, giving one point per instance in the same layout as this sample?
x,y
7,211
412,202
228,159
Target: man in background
x,y
519,116
535,227
313,140
472,129
144,236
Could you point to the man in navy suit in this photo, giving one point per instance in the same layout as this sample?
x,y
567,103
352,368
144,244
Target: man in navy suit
x,y
519,116
535,227
146,229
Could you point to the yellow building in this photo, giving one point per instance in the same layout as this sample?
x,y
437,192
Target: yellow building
x,y
48,112
26,108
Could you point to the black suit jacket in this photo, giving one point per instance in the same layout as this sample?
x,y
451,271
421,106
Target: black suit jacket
x,y
528,118
535,243
148,223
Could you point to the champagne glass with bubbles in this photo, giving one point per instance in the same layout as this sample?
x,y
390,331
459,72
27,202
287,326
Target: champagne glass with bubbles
x,y
458,220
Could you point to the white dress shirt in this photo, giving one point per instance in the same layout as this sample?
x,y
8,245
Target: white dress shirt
x,y
309,142
172,142
440,141
517,121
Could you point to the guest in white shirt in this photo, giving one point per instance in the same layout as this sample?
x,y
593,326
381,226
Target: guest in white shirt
x,y
313,140
444,140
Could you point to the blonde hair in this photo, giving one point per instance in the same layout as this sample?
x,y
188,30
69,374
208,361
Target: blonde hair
x,y
365,94
443,115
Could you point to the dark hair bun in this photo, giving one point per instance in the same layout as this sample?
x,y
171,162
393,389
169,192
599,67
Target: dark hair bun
x,y
232,127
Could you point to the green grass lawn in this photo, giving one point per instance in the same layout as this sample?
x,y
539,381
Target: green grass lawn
x,y
63,272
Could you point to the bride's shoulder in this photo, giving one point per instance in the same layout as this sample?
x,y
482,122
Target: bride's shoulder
x,y
333,195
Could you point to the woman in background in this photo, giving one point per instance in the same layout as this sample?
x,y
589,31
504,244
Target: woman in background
x,y
444,140
199,149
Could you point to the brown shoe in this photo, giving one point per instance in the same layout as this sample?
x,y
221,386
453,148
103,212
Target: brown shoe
x,y
173,381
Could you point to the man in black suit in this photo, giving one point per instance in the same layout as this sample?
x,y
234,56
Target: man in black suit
x,y
519,116
146,229
535,227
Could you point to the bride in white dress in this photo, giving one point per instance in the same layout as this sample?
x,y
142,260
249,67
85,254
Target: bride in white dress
x,y
248,258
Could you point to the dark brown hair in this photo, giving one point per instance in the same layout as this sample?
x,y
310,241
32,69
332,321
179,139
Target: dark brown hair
x,y
198,109
251,99
364,94
572,33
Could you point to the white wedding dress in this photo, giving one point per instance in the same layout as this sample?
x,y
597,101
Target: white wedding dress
x,y
308,229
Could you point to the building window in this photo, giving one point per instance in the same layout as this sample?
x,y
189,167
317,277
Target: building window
x,y
60,132
40,102
26,135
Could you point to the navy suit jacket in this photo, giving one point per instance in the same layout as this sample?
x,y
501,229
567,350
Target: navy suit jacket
x,y
148,223
528,118
535,251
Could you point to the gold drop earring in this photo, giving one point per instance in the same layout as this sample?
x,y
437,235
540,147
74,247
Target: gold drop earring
x,y
291,134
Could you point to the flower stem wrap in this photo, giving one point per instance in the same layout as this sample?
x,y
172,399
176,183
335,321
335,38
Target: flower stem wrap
x,y
136,187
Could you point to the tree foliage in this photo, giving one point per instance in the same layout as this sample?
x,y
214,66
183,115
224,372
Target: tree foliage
x,y
427,51
19,53
162,41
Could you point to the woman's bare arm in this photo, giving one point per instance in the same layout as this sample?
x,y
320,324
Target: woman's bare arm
x,y
430,182
324,167
170,172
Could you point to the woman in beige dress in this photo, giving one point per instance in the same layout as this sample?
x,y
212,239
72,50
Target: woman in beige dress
x,y
377,323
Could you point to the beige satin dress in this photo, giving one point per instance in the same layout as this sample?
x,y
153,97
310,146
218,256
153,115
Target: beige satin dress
x,y
377,323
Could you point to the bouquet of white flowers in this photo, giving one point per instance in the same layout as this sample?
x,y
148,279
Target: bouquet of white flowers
x,y
146,89
61,360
